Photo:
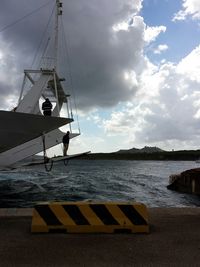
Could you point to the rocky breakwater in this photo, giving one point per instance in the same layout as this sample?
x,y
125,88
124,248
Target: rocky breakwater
x,y
186,182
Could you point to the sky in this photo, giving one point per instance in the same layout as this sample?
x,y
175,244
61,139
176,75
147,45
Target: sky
x,y
134,66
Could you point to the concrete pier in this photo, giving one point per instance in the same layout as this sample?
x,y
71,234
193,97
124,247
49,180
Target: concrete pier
x,y
174,240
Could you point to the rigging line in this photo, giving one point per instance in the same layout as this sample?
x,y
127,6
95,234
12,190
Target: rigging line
x,y
70,74
46,159
27,15
45,49
66,52
43,34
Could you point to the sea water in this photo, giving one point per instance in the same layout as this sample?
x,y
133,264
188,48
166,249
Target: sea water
x,y
98,180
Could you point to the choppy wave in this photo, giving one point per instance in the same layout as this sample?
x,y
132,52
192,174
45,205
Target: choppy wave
x,y
103,180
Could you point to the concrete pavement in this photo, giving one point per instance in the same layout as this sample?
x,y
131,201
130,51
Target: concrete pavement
x,y
174,240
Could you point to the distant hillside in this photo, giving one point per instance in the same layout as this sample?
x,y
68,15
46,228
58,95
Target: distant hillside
x,y
141,155
146,149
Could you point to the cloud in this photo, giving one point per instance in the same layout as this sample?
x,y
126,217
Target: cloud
x,y
8,76
166,111
151,33
105,64
190,8
192,60
17,46
160,48
109,68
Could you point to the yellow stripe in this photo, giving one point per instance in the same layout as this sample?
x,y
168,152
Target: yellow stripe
x,y
89,214
38,220
96,225
62,215
142,210
118,215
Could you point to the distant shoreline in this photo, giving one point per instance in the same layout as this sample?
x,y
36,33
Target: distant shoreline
x,y
187,155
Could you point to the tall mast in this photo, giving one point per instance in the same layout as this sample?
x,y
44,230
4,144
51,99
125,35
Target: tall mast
x,y
58,13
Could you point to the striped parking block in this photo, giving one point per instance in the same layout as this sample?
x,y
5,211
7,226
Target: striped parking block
x,y
87,217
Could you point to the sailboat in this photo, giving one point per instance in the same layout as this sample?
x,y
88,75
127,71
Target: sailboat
x,y
25,131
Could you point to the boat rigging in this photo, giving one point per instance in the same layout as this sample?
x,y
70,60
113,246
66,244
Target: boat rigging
x,y
37,132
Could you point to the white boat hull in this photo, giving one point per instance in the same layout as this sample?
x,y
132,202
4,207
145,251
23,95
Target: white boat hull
x,y
16,154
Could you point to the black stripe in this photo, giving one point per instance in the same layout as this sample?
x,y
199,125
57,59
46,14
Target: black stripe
x,y
47,215
103,214
132,214
76,215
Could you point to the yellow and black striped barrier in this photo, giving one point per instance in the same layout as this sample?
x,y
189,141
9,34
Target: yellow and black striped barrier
x,y
87,217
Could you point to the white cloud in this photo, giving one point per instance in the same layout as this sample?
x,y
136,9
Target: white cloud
x,y
122,26
189,8
151,33
192,60
160,48
166,110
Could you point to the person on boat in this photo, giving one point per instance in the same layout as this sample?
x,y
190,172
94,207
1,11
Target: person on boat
x,y
46,107
65,141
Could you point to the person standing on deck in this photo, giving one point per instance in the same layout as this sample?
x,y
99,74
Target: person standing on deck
x,y
65,141
46,107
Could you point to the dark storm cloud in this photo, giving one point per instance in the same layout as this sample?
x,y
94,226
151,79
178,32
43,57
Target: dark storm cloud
x,y
4,89
98,55
23,34
6,95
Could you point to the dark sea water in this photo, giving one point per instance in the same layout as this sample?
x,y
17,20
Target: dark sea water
x,y
103,180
